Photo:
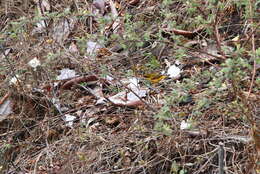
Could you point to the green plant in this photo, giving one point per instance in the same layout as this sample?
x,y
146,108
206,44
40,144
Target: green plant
x,y
153,63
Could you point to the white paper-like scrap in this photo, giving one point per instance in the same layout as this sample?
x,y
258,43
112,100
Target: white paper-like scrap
x,y
174,71
34,63
92,47
5,109
14,80
69,120
133,83
66,74
109,78
128,98
185,125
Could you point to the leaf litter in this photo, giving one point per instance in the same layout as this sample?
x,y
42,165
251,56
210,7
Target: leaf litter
x,y
104,115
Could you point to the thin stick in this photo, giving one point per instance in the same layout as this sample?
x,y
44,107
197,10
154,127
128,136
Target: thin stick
x,y
221,158
36,162
4,98
253,50
217,35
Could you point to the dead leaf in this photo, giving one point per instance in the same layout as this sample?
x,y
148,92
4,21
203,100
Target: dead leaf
x,y
5,109
133,2
187,34
77,80
44,6
103,52
73,48
111,120
62,29
100,5
154,77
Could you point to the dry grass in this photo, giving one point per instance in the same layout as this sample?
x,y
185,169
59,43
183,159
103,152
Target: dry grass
x,y
35,139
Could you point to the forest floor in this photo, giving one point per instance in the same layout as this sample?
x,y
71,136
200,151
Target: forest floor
x,y
129,87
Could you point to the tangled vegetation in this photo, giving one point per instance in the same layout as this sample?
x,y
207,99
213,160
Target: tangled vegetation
x,y
134,86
